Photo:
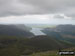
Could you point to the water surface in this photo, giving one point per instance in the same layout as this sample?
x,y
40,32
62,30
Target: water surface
x,y
37,31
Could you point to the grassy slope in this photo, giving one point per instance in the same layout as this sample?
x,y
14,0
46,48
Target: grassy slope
x,y
53,53
14,46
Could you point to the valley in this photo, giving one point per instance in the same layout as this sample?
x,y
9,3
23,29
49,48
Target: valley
x,y
22,40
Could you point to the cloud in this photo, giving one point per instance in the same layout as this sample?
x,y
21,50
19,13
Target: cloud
x,y
29,19
14,7
58,16
24,7
35,19
61,16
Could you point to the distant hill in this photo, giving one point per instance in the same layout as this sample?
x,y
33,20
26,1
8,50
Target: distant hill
x,y
62,32
15,30
66,29
23,27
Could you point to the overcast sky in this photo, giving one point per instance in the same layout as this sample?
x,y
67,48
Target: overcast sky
x,y
37,11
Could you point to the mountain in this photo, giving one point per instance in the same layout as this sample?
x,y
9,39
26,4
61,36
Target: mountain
x,y
15,30
66,29
62,32
23,27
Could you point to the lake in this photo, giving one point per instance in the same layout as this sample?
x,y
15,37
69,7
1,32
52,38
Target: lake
x,y
37,31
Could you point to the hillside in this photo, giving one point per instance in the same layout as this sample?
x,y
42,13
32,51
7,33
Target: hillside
x,y
15,30
62,32
47,43
52,53
66,29
23,27
14,46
